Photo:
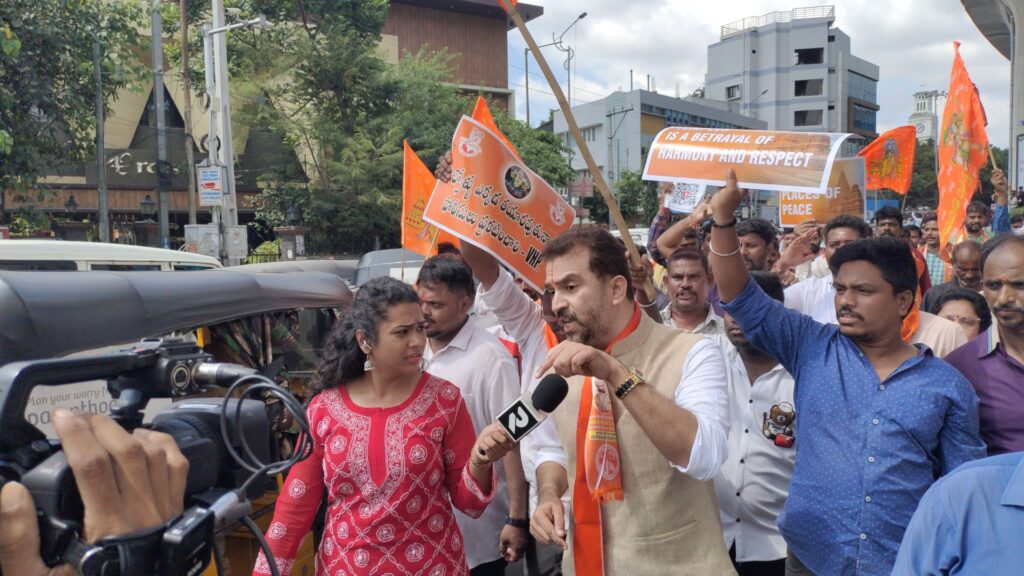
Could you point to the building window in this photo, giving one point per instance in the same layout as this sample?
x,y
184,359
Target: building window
x,y
861,87
807,118
589,133
732,92
808,87
831,37
863,118
809,56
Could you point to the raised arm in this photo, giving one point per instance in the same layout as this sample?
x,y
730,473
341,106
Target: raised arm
x,y
658,226
484,266
669,241
730,273
1001,215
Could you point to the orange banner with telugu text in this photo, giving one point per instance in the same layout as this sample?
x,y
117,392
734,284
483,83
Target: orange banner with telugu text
x,y
844,195
417,185
962,148
496,203
890,159
764,160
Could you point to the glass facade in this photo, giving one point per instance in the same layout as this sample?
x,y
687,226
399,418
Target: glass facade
x,y
863,118
677,118
862,87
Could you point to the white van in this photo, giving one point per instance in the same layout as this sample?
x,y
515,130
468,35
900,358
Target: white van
x,y
639,235
55,255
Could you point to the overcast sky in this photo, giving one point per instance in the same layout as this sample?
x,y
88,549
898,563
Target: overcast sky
x,y
910,40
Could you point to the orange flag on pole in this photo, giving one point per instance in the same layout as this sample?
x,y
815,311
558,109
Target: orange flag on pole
x,y
417,184
482,114
962,148
890,160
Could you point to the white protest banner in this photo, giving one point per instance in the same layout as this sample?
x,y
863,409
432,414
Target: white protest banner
x,y
763,160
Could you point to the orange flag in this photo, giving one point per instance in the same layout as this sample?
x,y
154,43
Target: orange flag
x,y
417,184
507,5
962,148
482,114
890,159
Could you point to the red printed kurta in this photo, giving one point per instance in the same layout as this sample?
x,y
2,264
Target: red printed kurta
x,y
392,476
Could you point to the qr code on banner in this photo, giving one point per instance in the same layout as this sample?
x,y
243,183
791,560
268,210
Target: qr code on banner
x,y
684,197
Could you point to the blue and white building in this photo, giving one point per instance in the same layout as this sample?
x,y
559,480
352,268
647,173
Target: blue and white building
x,y
795,71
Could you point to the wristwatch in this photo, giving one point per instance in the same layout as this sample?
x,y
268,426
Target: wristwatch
x,y
517,522
634,379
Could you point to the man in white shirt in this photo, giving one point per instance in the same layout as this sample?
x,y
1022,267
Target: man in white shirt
x,y
753,483
468,356
533,330
815,297
688,284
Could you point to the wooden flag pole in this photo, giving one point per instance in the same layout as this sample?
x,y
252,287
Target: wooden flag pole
x,y
992,158
595,172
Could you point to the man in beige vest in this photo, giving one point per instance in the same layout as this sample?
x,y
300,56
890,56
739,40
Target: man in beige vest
x,y
640,434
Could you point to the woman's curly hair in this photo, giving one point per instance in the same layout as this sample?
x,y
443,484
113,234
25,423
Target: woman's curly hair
x,y
343,359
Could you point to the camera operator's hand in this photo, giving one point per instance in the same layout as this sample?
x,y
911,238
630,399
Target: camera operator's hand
x,y
127,481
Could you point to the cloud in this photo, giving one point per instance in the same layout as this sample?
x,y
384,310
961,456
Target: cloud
x,y
911,42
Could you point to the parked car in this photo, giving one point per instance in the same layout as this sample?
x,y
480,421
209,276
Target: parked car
x,y
639,236
396,262
59,255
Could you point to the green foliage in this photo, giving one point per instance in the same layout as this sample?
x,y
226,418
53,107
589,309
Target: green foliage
x,y
638,199
317,81
924,184
47,86
597,207
28,221
542,151
265,252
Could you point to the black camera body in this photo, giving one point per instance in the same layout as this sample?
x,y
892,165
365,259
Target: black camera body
x,y
151,369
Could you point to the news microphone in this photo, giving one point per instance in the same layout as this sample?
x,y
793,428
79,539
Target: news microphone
x,y
529,410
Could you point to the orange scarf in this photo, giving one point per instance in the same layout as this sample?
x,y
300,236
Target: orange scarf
x,y
913,319
598,479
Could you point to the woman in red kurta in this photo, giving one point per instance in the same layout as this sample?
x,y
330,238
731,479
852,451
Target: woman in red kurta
x,y
393,447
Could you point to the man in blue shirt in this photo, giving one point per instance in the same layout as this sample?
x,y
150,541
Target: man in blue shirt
x,y
970,522
880,419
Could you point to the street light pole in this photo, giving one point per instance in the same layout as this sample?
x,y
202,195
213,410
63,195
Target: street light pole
x,y
526,66
569,55
161,131
220,112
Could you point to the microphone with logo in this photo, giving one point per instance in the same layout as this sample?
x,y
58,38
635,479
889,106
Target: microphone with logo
x,y
529,410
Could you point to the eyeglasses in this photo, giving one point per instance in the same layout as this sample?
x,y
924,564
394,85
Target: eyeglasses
x,y
965,321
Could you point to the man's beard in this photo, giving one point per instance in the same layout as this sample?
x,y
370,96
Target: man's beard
x,y
1011,325
585,333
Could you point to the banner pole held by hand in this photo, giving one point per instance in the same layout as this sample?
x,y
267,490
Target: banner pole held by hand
x,y
595,172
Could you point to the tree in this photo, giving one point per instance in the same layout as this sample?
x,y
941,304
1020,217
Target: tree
x,y
47,79
317,81
638,199
924,182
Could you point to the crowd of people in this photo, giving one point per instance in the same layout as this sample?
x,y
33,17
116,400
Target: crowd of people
x,y
899,361
837,399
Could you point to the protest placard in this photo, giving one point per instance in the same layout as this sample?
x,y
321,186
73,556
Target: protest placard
x,y
764,160
684,197
496,203
844,195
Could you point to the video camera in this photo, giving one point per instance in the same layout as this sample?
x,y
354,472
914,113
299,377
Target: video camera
x,y
211,433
